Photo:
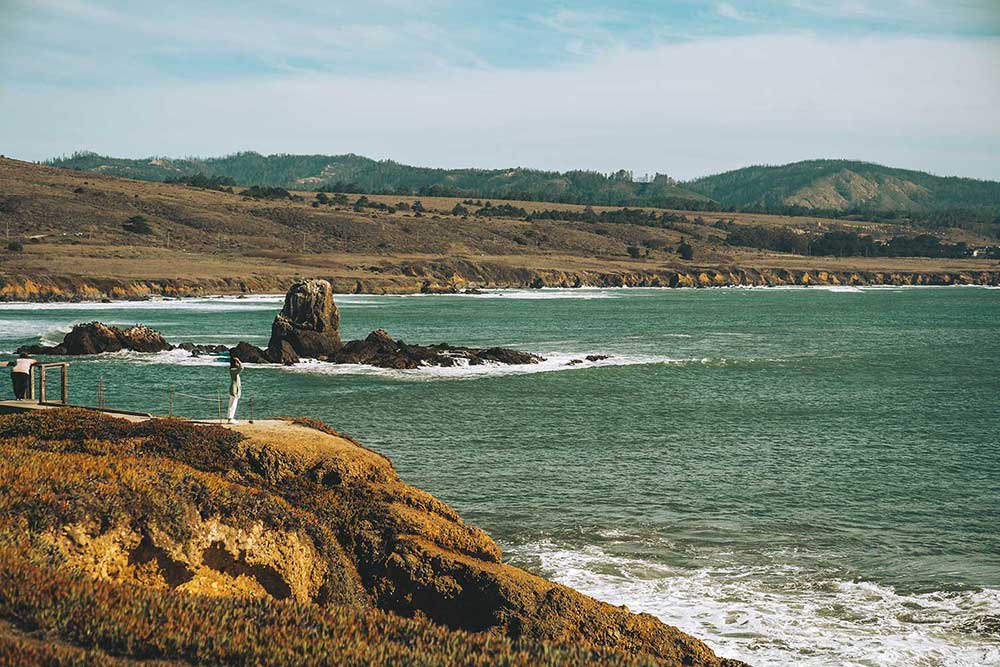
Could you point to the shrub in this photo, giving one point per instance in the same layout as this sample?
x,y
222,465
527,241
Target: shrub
x,y
137,224
685,250
459,210
15,246
634,251
266,192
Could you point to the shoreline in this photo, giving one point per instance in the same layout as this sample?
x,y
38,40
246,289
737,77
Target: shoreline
x,y
68,289
361,540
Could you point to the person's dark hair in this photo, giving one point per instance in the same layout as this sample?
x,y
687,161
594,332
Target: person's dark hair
x,y
25,355
232,360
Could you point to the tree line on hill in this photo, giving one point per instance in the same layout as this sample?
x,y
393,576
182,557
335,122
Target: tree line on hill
x,y
842,243
903,196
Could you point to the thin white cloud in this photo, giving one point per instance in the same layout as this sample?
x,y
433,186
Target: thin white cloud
x,y
727,11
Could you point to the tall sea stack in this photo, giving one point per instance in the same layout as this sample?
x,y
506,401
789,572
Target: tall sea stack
x,y
308,324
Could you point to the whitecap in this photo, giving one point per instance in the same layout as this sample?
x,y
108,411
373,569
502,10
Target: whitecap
x,y
741,612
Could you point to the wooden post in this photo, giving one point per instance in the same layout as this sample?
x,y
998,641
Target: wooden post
x,y
31,383
41,384
65,384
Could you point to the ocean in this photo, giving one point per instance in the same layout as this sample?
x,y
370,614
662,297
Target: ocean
x,y
805,476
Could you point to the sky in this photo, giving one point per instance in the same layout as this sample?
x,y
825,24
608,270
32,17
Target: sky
x,y
685,88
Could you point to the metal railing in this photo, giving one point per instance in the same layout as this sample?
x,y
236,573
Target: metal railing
x,y
217,400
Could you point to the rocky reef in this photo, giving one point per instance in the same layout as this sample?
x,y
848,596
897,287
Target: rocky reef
x,y
275,543
308,327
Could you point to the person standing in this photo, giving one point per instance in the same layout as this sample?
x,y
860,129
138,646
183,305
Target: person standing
x,y
235,386
20,376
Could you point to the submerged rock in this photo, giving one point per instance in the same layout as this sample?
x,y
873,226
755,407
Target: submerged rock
x,y
197,349
309,323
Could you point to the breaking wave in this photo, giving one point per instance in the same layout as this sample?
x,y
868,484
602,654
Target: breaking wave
x,y
776,615
554,362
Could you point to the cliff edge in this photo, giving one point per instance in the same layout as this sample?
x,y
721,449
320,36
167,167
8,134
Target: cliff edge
x,y
166,540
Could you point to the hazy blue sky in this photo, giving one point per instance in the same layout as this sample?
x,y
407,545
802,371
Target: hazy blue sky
x,y
684,88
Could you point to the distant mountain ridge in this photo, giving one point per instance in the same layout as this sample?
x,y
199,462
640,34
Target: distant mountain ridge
x,y
811,186
355,173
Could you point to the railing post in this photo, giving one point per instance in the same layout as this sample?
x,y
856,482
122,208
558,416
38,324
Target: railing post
x,y
31,383
65,384
41,383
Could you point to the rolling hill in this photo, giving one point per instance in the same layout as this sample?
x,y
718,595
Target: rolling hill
x,y
814,187
354,173
843,185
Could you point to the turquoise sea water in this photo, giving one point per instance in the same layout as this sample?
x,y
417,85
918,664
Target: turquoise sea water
x,y
796,476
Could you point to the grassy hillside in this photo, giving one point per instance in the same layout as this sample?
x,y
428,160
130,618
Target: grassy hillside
x,y
842,185
353,173
87,235
164,542
824,188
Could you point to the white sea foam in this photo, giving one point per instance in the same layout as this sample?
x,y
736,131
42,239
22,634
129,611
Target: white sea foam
x,y
743,614
22,328
543,293
553,362
220,303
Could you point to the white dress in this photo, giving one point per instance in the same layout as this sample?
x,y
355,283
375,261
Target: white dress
x,y
235,391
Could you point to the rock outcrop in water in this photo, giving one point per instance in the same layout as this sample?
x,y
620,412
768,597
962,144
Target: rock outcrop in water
x,y
308,327
380,349
97,337
308,324
292,544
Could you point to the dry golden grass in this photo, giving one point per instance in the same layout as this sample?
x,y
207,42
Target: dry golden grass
x,y
225,243
275,543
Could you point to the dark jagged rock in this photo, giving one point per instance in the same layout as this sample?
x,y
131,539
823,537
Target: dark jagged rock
x,y
309,322
97,337
308,327
589,357
380,349
505,355
249,354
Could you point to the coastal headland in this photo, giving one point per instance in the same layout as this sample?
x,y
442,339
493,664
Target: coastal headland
x,y
165,541
75,242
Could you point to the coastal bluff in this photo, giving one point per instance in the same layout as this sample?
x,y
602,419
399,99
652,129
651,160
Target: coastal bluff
x,y
273,543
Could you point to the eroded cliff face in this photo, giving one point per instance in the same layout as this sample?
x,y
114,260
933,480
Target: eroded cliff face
x,y
457,275
284,511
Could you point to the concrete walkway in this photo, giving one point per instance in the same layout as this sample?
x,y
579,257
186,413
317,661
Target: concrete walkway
x,y
10,407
